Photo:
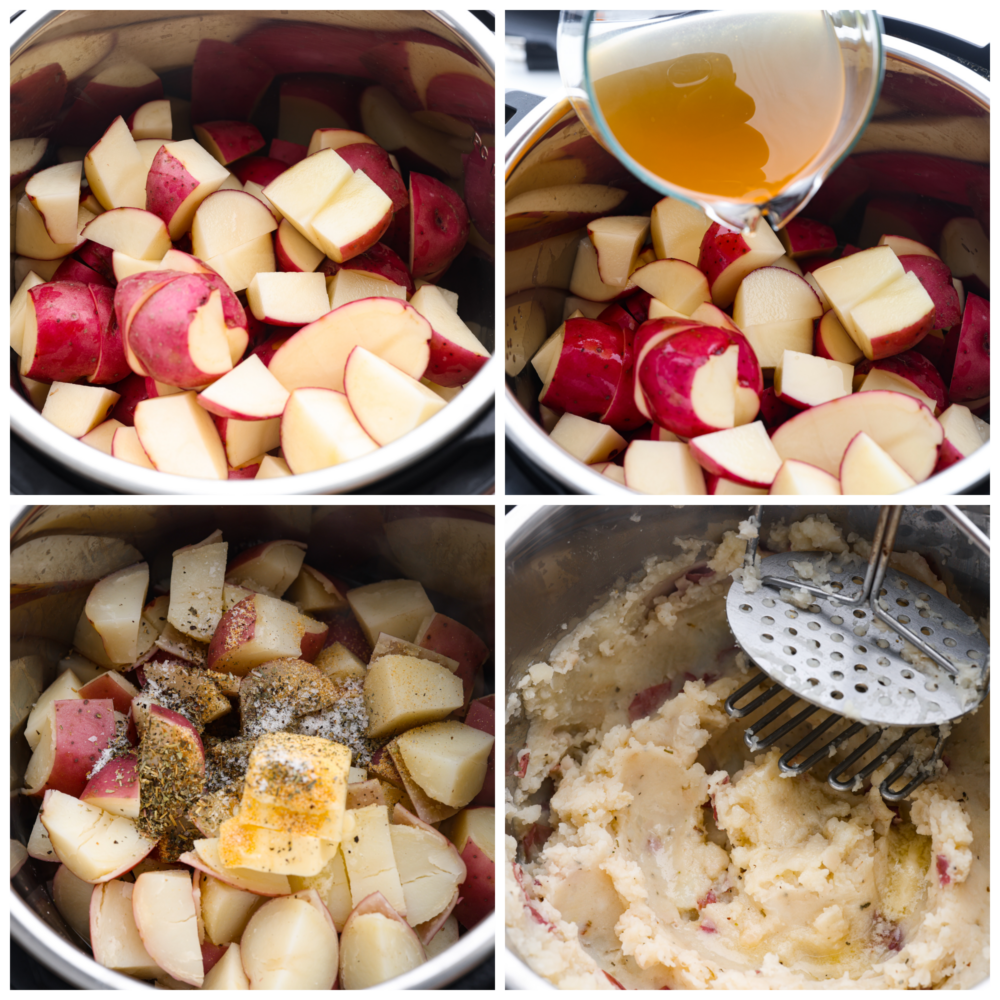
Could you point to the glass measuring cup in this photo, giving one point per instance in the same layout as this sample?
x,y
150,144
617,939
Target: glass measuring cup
x,y
696,47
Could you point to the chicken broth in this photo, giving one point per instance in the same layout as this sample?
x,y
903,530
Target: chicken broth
x,y
733,106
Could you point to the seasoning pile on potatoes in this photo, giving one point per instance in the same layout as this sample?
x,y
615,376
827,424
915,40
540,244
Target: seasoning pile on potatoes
x,y
260,778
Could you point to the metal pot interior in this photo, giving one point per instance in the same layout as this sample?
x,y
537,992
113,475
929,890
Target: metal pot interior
x,y
924,90
415,54
448,549
563,561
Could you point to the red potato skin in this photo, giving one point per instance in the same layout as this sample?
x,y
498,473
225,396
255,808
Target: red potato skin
x,y
374,161
259,169
451,364
289,153
902,340
480,191
244,472
807,237
477,900
131,392
933,347
234,139
948,455
99,103
617,315
970,379
589,369
69,332
227,81
168,184
440,226
720,246
119,777
98,258
638,305
378,259
107,687
345,629
450,638
917,369
176,719
35,100
211,954
112,365
158,334
133,289
269,347
75,721
237,627
622,414
668,370
935,276
481,716
74,270
774,411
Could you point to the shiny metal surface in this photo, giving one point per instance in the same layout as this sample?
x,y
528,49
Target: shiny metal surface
x,y
563,560
550,146
364,543
166,41
835,657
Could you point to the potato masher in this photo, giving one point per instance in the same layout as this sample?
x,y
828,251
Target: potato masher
x,y
872,652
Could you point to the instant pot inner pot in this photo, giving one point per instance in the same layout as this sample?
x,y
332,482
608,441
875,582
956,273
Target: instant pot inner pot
x,y
451,555
923,159
562,563
433,66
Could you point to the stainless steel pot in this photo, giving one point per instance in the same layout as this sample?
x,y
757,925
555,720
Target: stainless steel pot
x,y
166,42
563,561
449,549
550,145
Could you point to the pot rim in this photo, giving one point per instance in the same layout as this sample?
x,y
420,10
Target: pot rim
x,y
470,404
76,966
529,438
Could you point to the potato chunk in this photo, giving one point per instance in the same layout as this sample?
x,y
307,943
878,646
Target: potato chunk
x,y
447,760
371,865
197,577
396,607
404,691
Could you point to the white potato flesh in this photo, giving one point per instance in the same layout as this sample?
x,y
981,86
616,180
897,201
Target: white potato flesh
x,y
447,760
376,948
396,607
114,608
164,911
54,558
368,856
430,871
196,581
114,935
288,945
227,973
225,909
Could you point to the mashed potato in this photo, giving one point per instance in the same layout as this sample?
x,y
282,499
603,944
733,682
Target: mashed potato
x,y
657,852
